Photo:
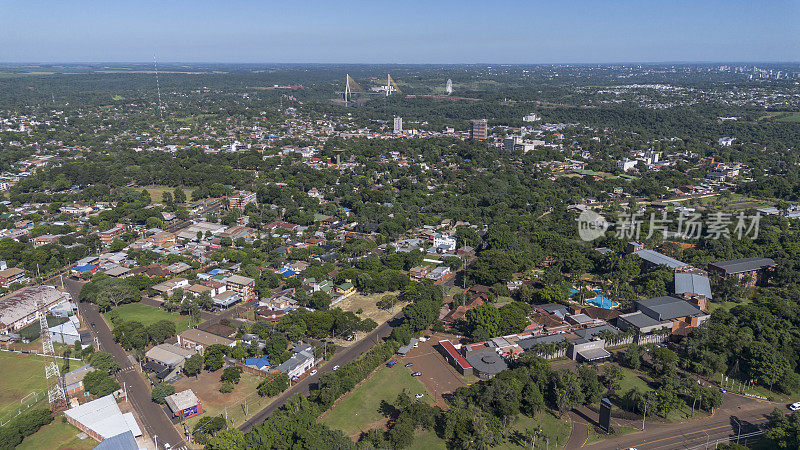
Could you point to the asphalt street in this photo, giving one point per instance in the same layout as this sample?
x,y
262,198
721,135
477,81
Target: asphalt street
x,y
737,414
153,419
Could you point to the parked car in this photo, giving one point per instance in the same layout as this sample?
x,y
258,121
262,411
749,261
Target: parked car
x,y
795,406
313,372
723,390
416,374
167,446
419,395
409,364
335,367
391,363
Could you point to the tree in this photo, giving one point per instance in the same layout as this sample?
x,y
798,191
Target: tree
x,y
162,391
320,300
193,365
229,439
590,384
98,383
213,357
633,357
612,376
273,386
179,196
784,430
104,362
161,331
231,374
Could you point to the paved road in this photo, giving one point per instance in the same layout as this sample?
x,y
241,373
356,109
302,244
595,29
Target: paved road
x,y
343,357
153,418
725,422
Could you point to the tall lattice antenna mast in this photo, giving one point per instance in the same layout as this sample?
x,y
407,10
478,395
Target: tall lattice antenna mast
x,y
56,394
158,89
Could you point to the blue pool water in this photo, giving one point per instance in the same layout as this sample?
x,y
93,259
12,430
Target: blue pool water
x,y
600,300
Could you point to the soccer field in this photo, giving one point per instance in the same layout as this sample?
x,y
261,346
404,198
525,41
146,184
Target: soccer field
x,y
22,375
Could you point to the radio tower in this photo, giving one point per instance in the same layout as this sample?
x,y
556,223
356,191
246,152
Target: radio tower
x,y
158,88
55,387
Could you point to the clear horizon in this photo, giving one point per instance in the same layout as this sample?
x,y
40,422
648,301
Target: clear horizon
x,y
414,32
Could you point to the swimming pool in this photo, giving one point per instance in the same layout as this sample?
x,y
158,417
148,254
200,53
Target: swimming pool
x,y
600,300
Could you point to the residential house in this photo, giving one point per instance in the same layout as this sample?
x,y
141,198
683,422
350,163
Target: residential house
x,y
200,340
301,362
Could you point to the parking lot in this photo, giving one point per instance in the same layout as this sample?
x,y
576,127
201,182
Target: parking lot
x,y
438,376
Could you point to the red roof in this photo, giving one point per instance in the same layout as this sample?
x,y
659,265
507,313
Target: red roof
x,y
451,350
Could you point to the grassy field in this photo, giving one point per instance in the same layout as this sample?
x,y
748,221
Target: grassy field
x,y
642,382
157,190
147,315
57,435
358,411
597,434
553,428
427,440
22,374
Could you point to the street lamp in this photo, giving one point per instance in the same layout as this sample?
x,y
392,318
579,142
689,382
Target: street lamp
x,y
740,428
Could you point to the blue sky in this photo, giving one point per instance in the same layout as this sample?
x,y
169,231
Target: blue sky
x,y
408,31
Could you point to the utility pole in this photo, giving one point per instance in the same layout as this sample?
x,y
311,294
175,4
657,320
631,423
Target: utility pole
x,y
644,415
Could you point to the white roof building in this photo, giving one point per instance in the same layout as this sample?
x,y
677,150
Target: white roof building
x,y
102,419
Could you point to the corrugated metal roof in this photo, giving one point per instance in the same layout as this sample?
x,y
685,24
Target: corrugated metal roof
x,y
691,283
744,264
661,259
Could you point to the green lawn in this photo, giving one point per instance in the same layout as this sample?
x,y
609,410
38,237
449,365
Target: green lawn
x,y
358,411
147,315
553,428
597,434
427,440
22,374
57,435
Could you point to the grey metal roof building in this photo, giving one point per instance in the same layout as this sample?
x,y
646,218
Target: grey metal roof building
x,y
667,308
529,343
690,283
659,259
743,265
122,441
486,363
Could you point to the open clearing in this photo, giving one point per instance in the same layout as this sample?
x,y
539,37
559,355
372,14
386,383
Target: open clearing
x,y
367,303
22,374
206,387
359,410
157,190
148,315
